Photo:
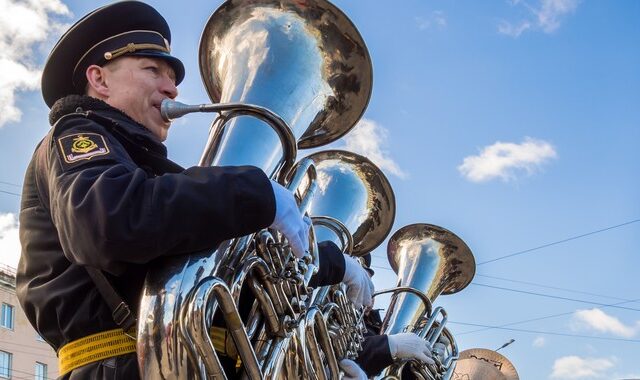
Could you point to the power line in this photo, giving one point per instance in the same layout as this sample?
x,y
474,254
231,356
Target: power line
x,y
8,192
558,242
46,346
10,184
538,319
553,287
538,247
546,332
12,370
554,297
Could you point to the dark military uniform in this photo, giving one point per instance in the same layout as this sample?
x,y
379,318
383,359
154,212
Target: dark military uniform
x,y
116,207
375,355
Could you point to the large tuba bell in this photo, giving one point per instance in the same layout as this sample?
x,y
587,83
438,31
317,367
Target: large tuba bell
x,y
429,261
303,60
290,73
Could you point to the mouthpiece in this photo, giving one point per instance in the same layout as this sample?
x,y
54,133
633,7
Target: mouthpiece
x,y
170,109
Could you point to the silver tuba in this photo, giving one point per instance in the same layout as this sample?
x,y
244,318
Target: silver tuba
x,y
290,74
354,206
429,261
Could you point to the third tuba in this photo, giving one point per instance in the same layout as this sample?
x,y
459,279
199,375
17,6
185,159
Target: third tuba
x,y
429,260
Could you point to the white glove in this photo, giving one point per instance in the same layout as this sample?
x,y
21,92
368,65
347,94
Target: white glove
x,y
289,221
410,346
359,285
352,370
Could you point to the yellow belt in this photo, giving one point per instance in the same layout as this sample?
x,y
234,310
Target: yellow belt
x,y
223,343
104,345
93,348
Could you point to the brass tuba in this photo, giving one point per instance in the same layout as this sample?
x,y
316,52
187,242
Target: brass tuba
x,y
289,74
429,260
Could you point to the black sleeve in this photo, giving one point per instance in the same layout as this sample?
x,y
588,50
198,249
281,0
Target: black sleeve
x,y
332,265
108,212
375,355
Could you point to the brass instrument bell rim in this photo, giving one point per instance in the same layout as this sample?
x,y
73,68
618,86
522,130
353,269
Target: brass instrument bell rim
x,y
310,138
359,248
464,253
507,368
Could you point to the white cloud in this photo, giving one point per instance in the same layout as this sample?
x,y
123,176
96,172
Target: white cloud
x,y
546,16
575,367
504,159
9,241
24,25
513,30
367,139
436,18
539,342
598,320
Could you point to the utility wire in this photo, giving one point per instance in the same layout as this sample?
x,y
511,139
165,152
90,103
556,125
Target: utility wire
x,y
558,242
10,193
538,247
10,184
538,319
44,345
554,297
12,370
546,332
554,287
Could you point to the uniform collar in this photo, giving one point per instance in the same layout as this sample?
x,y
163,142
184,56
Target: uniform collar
x,y
82,103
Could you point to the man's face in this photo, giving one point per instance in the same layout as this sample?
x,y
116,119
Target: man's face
x,y
137,86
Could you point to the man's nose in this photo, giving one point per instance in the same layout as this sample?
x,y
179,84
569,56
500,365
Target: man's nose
x,y
169,88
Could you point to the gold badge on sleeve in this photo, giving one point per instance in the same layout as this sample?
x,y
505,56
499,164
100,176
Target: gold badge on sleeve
x,y
82,146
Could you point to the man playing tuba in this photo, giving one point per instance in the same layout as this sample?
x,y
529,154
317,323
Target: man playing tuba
x,y
101,199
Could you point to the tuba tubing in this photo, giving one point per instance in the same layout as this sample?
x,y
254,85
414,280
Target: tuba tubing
x,y
171,109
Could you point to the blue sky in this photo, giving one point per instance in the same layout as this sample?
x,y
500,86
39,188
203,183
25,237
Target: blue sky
x,y
514,124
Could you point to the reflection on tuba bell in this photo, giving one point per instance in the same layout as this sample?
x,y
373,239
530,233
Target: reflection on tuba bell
x,y
303,60
429,260
354,191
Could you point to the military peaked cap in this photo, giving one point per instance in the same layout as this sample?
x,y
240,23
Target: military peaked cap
x,y
130,28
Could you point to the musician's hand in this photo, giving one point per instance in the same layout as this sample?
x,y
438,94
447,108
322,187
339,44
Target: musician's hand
x,y
352,370
289,221
359,285
410,346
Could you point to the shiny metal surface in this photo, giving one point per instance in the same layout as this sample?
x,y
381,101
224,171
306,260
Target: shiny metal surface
x,y
429,260
303,68
484,364
303,60
354,191
171,109
447,263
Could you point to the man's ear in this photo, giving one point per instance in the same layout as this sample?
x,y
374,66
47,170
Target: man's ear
x,y
97,81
